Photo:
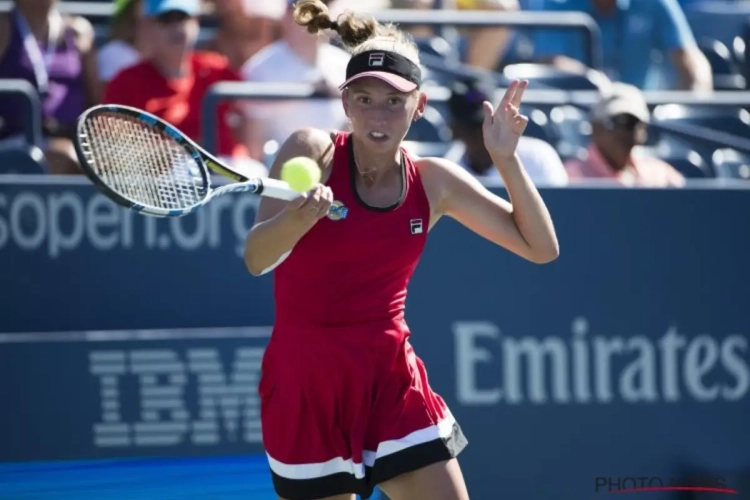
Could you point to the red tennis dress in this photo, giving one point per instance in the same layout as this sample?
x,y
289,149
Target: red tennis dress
x,y
345,402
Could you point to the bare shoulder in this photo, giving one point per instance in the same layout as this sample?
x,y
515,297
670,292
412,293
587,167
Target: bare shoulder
x,y
442,178
83,31
310,142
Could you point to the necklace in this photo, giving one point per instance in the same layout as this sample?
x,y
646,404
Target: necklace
x,y
369,173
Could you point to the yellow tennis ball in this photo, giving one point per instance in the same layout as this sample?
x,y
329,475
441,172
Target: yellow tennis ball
x,y
301,173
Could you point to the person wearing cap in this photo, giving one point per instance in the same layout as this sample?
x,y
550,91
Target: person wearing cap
x,y
126,44
295,58
173,80
539,158
55,53
346,405
619,121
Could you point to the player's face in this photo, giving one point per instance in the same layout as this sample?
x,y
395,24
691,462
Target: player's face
x,y
380,114
174,34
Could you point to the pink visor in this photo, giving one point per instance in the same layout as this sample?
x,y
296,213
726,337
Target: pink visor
x,y
395,81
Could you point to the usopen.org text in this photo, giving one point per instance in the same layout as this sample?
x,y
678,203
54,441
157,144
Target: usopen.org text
x,y
65,220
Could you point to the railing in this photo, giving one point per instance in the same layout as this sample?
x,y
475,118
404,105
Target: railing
x,y
29,98
478,19
582,99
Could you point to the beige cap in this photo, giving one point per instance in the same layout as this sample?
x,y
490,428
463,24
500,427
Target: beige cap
x,y
621,99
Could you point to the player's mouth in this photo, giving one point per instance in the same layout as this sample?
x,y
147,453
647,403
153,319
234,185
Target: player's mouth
x,y
378,136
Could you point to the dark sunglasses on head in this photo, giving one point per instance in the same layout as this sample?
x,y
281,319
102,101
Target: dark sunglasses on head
x,y
172,16
628,122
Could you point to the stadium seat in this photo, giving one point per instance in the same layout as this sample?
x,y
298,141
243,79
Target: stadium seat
x,y
725,71
731,164
691,165
571,127
729,120
432,127
718,56
539,125
434,45
738,51
550,76
22,160
444,71
437,76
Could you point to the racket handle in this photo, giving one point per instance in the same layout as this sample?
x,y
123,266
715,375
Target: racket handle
x,y
275,188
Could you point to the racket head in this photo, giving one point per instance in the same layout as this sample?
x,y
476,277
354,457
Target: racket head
x,y
140,161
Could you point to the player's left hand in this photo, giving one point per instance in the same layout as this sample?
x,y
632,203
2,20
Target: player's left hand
x,y
503,126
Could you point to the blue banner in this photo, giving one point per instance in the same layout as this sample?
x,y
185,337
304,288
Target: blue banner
x,y
629,356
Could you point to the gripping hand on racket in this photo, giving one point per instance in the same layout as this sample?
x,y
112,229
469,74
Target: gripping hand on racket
x,y
312,205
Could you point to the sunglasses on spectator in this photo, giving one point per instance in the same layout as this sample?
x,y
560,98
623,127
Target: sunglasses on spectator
x,y
172,16
628,122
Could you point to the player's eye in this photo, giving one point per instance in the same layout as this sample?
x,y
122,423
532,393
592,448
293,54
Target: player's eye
x,y
364,99
395,101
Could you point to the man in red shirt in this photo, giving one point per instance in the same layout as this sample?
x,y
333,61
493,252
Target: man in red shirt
x,y
171,84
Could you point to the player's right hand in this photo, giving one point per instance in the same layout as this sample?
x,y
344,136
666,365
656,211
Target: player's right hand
x,y
314,204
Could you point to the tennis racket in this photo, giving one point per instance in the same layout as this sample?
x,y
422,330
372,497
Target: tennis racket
x,y
145,164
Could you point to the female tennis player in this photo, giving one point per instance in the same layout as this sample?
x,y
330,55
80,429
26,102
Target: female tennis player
x,y
345,403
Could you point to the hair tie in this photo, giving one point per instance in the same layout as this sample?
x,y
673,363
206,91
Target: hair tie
x,y
334,26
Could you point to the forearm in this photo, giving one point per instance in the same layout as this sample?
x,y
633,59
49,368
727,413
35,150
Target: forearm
x,y
693,70
487,46
530,213
269,240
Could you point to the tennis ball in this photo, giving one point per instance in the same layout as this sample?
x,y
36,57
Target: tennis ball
x,y
301,173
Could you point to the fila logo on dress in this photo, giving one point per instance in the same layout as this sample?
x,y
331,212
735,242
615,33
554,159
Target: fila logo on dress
x,y
416,226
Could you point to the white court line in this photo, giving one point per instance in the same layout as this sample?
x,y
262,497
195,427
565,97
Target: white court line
x,y
255,332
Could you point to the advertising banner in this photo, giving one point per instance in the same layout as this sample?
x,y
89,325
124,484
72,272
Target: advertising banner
x,y
627,358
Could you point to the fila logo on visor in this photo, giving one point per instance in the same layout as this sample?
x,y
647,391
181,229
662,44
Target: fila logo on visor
x,y
377,59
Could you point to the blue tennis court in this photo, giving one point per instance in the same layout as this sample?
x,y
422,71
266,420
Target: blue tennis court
x,y
215,478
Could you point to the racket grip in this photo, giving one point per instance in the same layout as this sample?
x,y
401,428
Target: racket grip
x,y
275,188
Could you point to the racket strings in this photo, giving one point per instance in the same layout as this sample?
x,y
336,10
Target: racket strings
x,y
141,162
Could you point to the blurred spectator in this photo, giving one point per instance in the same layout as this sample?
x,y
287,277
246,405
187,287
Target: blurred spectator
x,y
540,159
485,46
619,124
245,27
631,30
297,58
171,83
56,54
126,44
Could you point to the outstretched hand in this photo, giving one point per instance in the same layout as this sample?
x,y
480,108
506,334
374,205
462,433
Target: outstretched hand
x,y
503,126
